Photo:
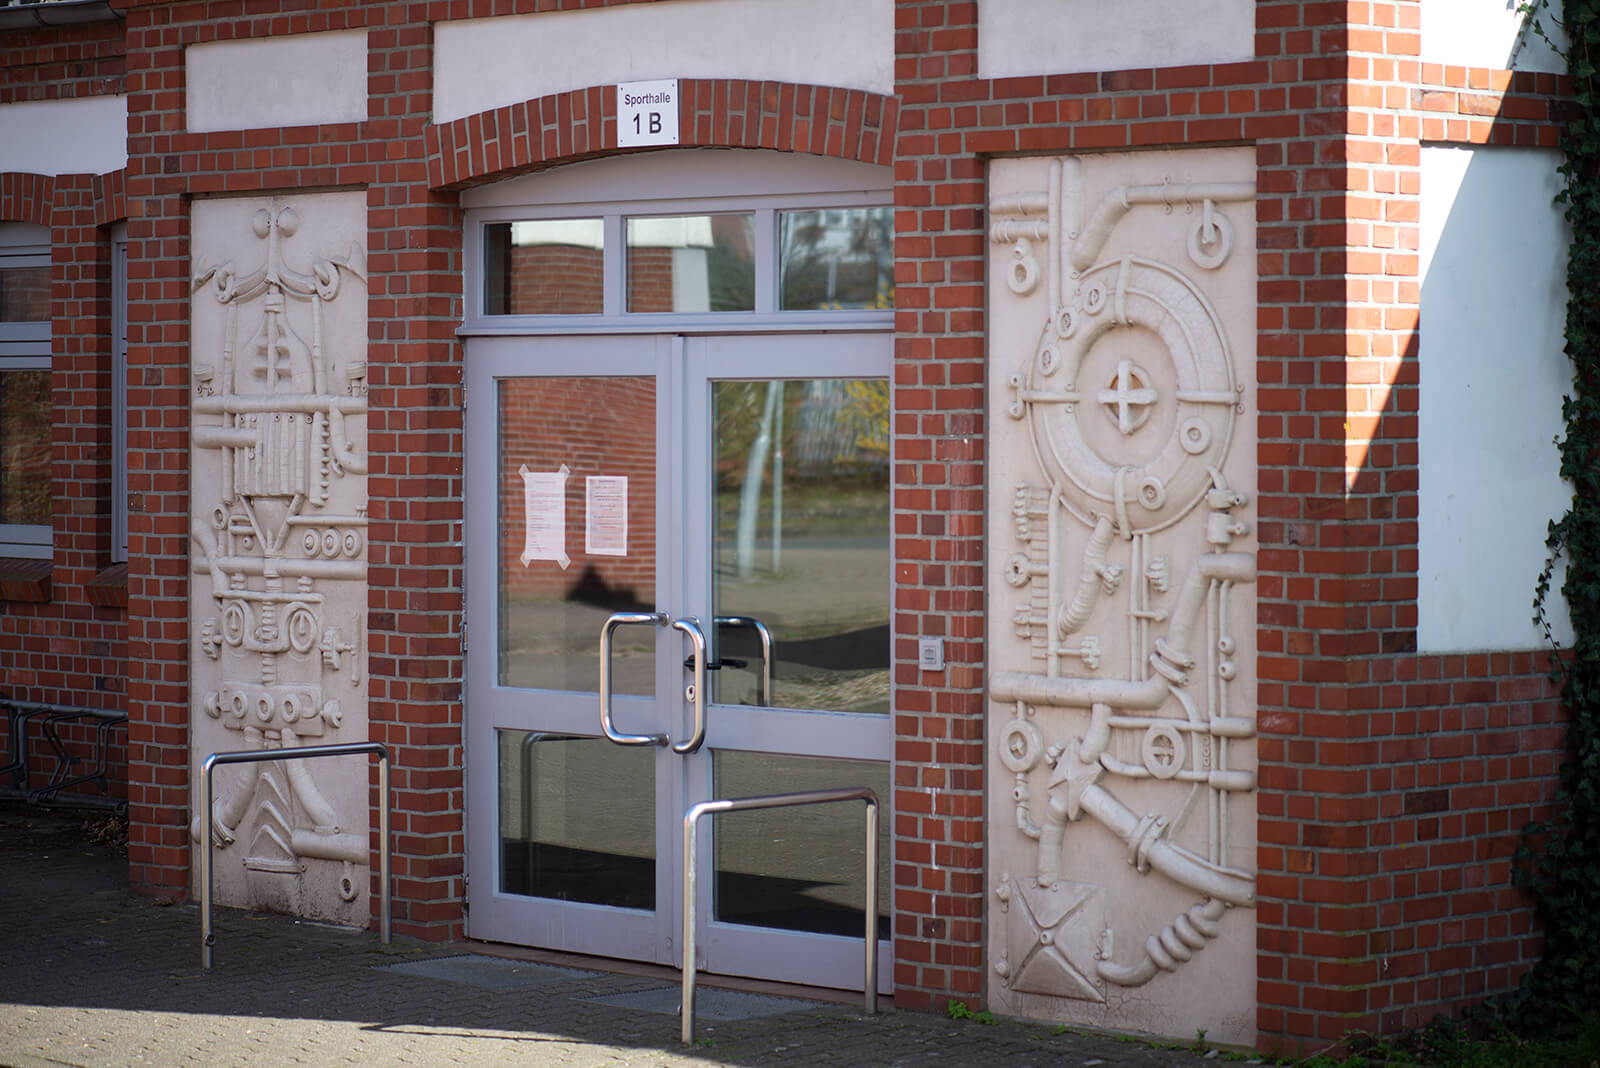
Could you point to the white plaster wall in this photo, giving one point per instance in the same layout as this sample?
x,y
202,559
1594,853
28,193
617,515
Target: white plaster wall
x,y
1486,33
303,80
481,64
83,136
1493,373
1017,38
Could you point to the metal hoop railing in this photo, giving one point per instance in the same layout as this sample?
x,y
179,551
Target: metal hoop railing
x,y
691,822
305,752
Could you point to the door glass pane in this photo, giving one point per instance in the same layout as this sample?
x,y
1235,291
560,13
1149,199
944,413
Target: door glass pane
x,y
544,267
692,263
577,530
799,868
577,819
802,542
836,258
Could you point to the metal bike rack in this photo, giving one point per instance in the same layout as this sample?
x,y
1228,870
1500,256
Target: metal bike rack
x,y
742,804
304,752
104,720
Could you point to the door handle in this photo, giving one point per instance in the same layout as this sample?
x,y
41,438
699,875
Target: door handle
x,y
764,686
623,619
697,688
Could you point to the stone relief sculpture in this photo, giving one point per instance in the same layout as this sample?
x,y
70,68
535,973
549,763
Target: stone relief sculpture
x,y
278,535
1122,725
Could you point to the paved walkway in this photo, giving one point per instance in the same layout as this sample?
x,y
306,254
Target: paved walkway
x,y
93,975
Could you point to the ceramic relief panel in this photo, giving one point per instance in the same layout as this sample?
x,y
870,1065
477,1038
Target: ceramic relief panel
x,y
1121,737
278,544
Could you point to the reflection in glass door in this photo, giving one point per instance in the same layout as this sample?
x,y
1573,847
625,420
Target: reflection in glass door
x,y
792,433
800,579
576,814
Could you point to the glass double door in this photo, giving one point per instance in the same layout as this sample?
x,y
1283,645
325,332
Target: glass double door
x,y
645,512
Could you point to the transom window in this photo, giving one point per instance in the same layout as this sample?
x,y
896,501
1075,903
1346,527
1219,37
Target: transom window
x,y
576,250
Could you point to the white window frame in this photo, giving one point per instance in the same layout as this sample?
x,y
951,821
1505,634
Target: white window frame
x,y
25,347
119,392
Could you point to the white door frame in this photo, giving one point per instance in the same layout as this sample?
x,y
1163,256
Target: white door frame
x,y
683,369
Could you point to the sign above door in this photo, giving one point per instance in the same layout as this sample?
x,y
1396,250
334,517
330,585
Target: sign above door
x,y
647,113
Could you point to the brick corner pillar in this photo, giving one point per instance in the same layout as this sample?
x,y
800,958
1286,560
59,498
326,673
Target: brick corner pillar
x,y
159,701
938,514
417,440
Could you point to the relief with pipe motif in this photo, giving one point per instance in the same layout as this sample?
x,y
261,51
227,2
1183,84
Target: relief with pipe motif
x,y
278,539
1122,561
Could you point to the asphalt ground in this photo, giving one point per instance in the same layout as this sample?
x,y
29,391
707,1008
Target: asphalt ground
x,y
92,974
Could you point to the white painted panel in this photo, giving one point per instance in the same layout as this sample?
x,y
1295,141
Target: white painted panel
x,y
304,80
481,64
88,135
1493,373
1017,38
1487,33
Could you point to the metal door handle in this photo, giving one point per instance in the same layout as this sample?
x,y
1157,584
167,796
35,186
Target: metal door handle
x,y
623,619
764,686
697,689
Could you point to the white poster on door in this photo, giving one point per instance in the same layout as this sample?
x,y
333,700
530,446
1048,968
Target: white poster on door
x,y
605,528
544,510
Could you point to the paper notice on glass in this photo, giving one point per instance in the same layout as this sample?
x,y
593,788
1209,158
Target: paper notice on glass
x,y
605,528
544,508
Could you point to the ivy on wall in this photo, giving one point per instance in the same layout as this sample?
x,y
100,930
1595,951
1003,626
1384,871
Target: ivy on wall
x,y
1559,859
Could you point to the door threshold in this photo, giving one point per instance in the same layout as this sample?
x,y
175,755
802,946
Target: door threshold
x,y
669,974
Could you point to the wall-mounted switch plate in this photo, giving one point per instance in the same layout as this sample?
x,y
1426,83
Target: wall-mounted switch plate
x,y
930,654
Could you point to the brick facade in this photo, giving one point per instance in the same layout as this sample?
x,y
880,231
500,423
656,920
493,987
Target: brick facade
x,y
1392,783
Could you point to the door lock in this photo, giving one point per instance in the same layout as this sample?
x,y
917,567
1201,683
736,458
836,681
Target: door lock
x,y
695,694
717,665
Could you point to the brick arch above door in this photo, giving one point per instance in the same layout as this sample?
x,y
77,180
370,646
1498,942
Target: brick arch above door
x,y
716,113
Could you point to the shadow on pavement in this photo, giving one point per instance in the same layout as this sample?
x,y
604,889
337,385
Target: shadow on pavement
x,y
93,974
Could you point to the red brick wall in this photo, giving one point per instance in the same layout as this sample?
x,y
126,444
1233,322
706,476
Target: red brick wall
x,y
1402,780
1391,783
414,429
1357,857
63,632
61,64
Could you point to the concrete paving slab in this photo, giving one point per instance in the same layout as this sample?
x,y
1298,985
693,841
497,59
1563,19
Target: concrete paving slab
x,y
490,973
710,1003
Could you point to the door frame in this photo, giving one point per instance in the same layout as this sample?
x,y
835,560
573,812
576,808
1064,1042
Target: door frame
x,y
683,368
491,707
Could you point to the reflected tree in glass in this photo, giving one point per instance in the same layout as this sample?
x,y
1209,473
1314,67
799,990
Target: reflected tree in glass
x,y
802,540
836,258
